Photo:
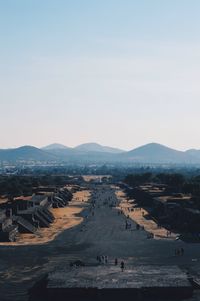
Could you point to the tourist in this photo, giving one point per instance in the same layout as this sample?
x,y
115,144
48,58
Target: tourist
x,y
122,266
116,261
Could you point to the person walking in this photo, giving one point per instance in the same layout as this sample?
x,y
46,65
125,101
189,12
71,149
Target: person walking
x,y
122,266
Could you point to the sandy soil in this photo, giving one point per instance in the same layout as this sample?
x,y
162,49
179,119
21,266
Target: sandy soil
x,y
138,215
65,218
3,200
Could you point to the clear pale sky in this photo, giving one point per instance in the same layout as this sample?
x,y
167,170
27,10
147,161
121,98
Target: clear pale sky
x,y
118,72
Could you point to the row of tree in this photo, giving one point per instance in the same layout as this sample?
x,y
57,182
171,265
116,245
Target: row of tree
x,y
24,185
176,182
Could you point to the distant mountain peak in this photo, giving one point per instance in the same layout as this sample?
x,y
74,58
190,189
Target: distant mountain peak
x,y
157,153
154,145
96,147
25,153
54,146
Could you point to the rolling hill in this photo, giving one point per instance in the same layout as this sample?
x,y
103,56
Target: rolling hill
x,y
158,153
54,146
95,147
194,153
25,153
152,153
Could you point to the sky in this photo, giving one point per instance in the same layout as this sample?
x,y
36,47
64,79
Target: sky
x,y
121,73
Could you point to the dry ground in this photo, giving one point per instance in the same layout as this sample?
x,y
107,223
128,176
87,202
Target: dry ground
x,y
138,215
65,218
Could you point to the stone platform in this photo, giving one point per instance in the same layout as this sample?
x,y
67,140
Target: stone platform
x,y
110,283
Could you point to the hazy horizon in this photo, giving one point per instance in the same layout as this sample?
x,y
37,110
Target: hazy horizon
x,y
119,73
112,146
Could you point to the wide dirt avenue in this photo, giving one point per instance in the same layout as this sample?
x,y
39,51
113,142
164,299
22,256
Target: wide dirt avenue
x,y
102,233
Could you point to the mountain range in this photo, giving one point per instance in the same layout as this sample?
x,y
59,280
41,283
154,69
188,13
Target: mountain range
x,y
152,153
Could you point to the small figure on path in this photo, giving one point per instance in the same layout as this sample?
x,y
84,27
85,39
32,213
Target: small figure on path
x,y
137,227
116,261
122,266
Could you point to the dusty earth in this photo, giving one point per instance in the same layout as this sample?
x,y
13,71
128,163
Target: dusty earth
x,y
139,216
65,218
102,232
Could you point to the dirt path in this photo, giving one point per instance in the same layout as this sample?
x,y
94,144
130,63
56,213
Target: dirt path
x,y
102,232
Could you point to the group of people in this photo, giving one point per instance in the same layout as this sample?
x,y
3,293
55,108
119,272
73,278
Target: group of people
x,y
179,252
150,235
120,212
102,259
